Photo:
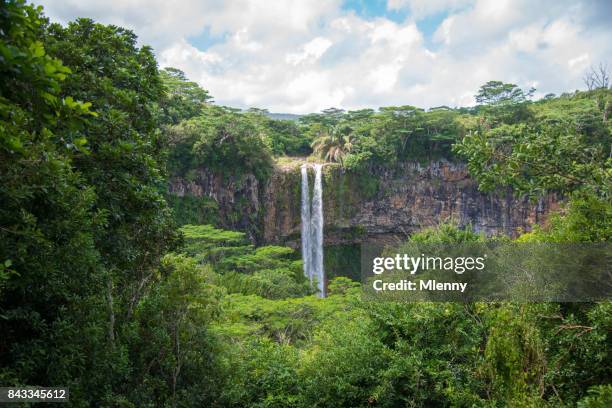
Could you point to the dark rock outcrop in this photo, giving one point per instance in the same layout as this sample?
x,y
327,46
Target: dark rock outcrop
x,y
237,198
384,202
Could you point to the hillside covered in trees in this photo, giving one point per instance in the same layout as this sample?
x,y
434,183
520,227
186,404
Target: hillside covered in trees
x,y
109,287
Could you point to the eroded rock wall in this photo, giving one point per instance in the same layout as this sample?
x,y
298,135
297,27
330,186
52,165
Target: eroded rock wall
x,y
386,201
237,198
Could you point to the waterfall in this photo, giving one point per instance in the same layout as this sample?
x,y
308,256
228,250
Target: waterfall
x,y
317,230
312,228
306,241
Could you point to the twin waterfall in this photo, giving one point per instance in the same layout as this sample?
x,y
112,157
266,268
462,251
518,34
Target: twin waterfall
x,y
312,229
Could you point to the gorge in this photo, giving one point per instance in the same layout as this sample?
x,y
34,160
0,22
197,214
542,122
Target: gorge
x,y
384,204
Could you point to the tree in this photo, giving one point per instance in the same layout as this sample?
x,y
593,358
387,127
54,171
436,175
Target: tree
x,y
535,159
228,142
499,93
124,167
284,137
176,352
184,99
328,117
597,78
268,271
334,143
125,148
52,294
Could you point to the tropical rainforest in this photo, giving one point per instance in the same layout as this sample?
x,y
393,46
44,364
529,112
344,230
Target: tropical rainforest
x,y
129,297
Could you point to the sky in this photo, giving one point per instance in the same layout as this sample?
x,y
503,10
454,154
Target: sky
x,y
302,56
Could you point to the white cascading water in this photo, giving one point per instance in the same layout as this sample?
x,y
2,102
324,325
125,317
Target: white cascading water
x,y
306,241
317,231
312,229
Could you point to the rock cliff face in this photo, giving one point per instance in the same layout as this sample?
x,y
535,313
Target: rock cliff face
x,y
236,199
358,207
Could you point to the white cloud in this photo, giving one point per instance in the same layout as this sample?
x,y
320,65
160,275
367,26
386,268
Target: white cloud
x,y
384,77
579,63
443,33
306,55
311,51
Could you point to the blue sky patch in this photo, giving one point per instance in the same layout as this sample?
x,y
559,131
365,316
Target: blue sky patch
x,y
374,8
428,26
205,39
378,8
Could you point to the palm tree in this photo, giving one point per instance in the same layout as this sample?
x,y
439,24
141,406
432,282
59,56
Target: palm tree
x,y
334,143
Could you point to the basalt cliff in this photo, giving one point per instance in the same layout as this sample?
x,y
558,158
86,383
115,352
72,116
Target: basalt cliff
x,y
381,202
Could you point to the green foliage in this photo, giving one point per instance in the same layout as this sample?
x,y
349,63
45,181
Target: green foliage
x,y
513,344
50,277
536,351
556,151
448,232
434,354
343,261
193,210
91,298
343,365
535,160
499,93
359,139
291,320
341,285
286,138
125,147
283,137
210,234
277,283
462,355
259,258
227,142
269,271
600,396
172,348
84,222
343,352
210,244
263,374
184,99
584,219
333,143
549,351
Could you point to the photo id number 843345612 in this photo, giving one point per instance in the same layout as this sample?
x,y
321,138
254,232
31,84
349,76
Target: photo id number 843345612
x,y
34,394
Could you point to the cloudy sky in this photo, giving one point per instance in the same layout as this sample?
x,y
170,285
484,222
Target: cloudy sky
x,y
302,56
